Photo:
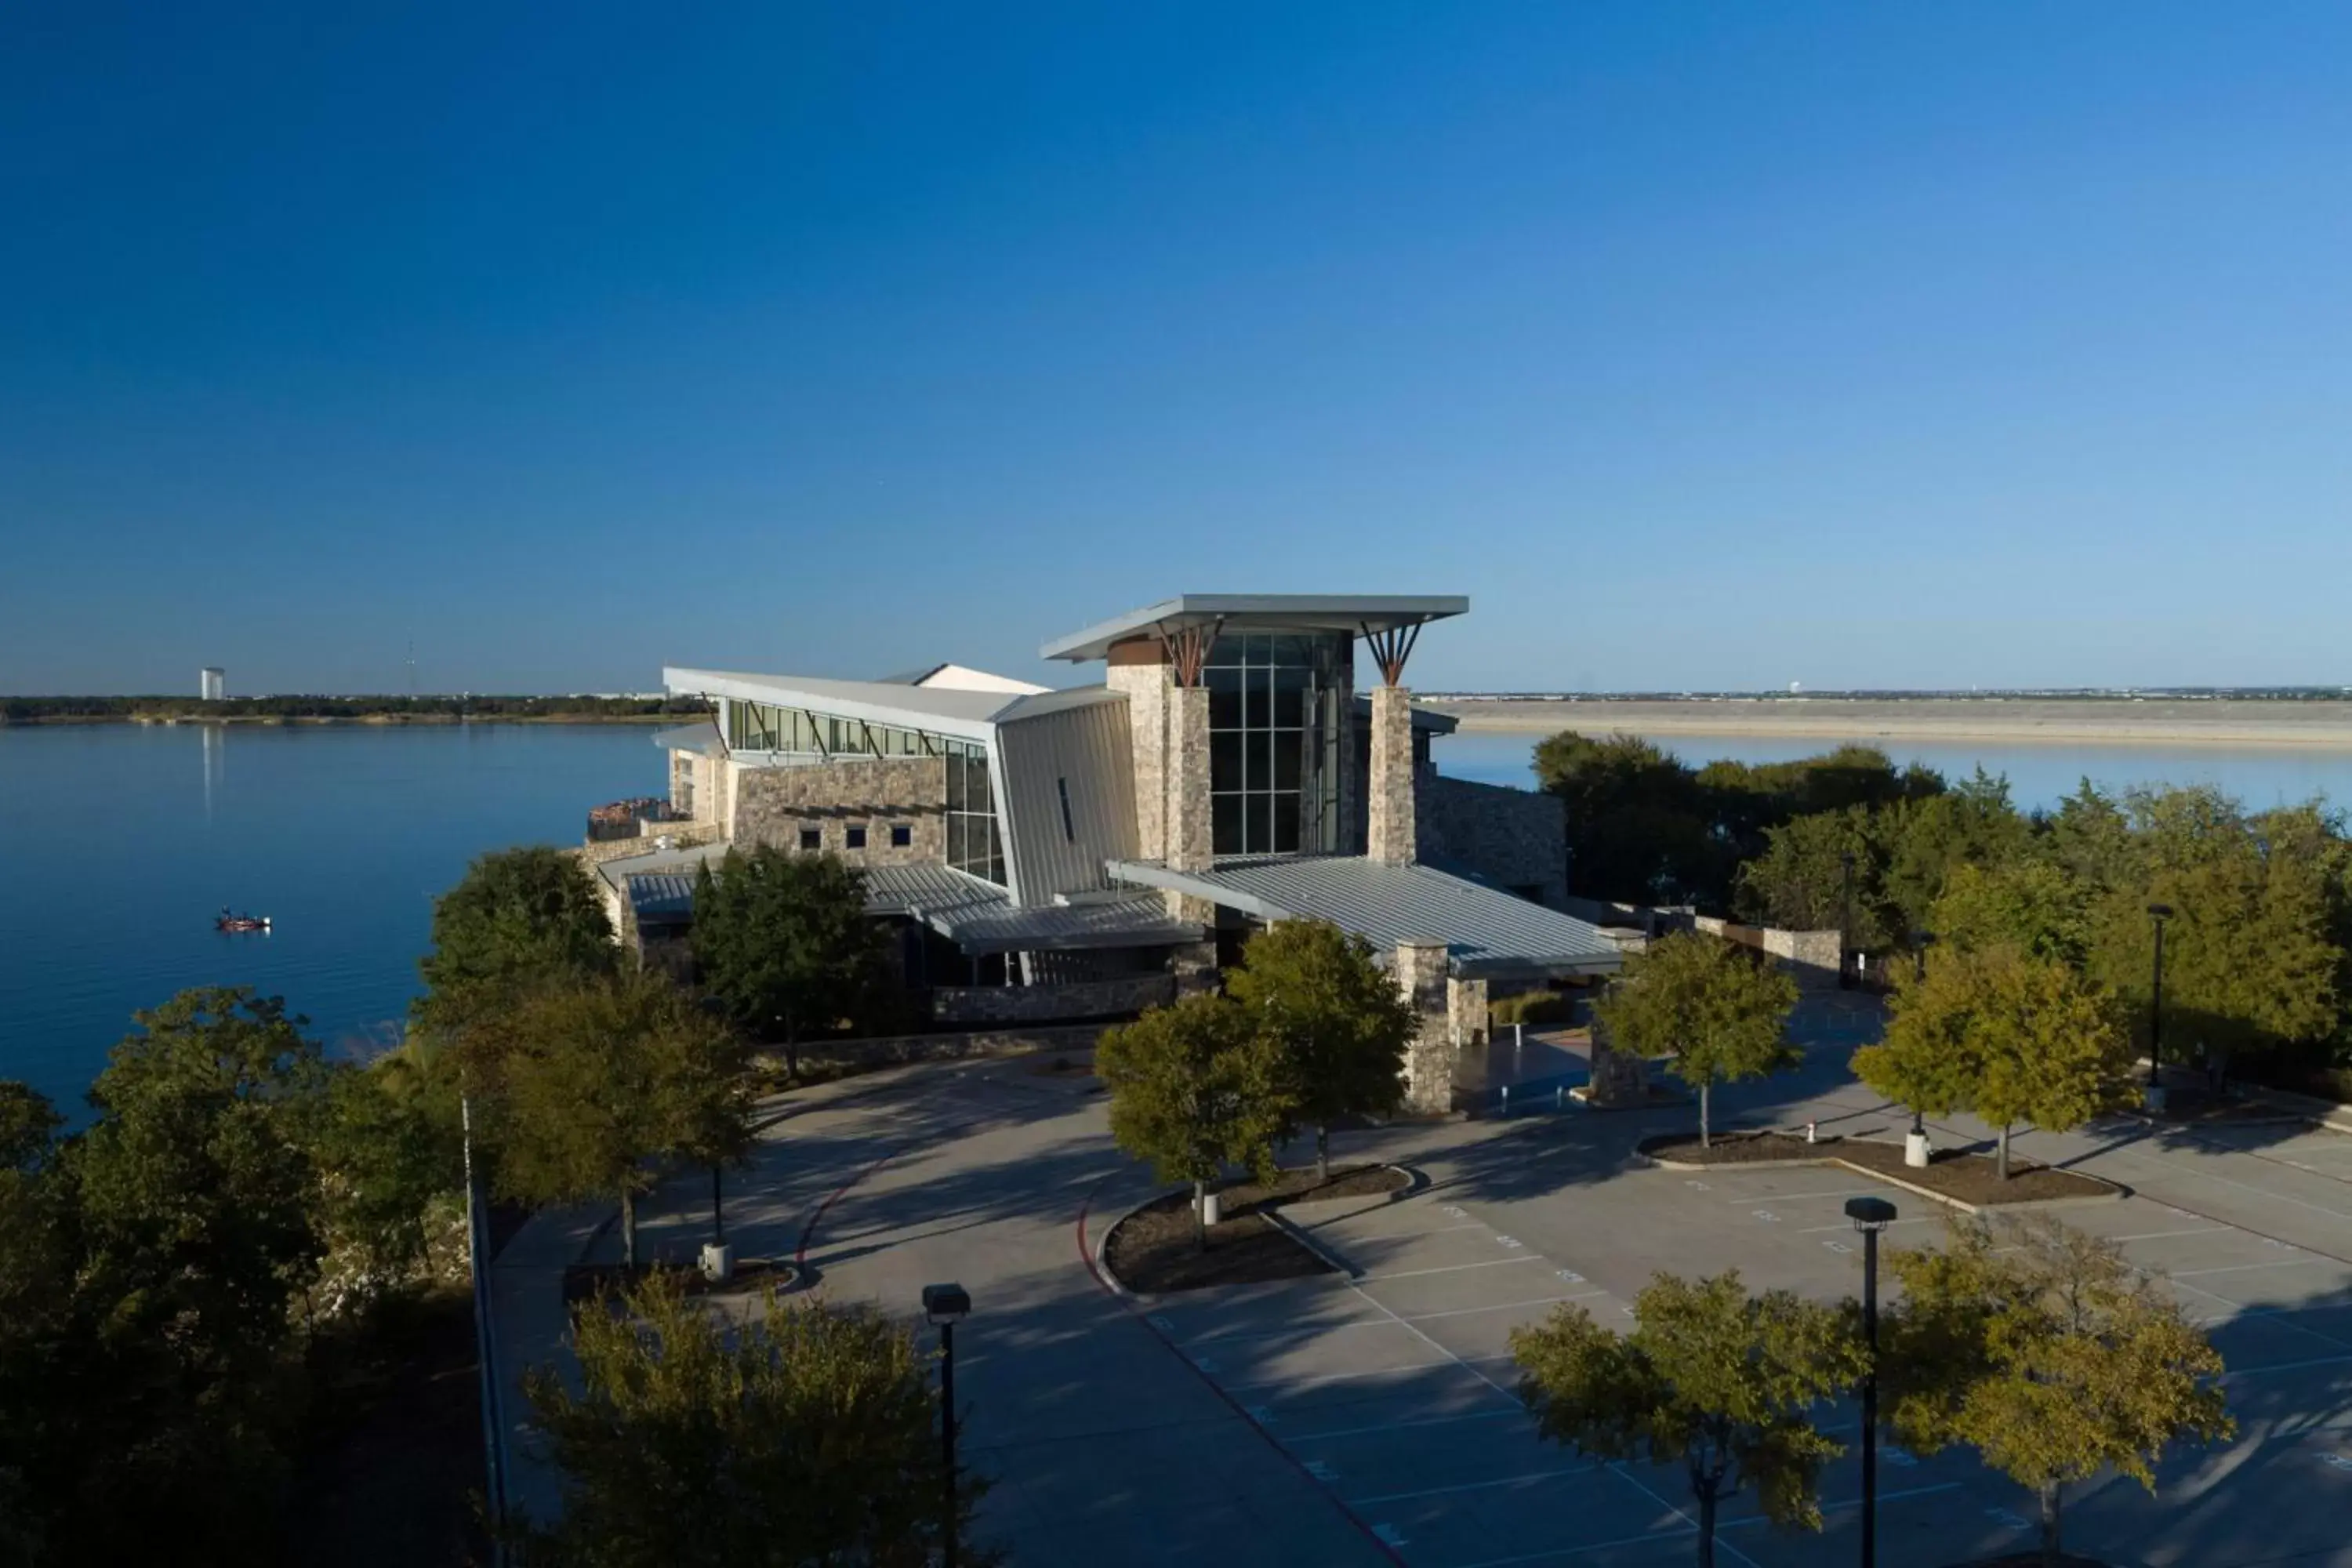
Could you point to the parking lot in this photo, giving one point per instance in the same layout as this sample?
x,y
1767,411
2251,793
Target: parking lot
x,y
1393,1386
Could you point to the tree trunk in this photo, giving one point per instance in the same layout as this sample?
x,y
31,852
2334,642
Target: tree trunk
x,y
1200,1215
718,1213
1706,1525
2000,1159
1322,1152
1705,1138
629,1226
2049,1548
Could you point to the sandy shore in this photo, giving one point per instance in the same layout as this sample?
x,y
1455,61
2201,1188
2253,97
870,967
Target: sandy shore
x,y
2319,725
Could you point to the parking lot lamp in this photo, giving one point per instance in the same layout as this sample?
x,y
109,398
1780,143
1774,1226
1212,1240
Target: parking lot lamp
x,y
945,1306
1870,1215
2159,913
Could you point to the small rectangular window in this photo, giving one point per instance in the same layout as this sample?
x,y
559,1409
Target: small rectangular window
x,y
901,836
812,838
856,837
1069,833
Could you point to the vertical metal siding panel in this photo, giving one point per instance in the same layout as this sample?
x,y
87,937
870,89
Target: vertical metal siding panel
x,y
1088,747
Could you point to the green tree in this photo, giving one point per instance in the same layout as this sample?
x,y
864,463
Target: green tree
x,y
1635,828
1799,883
1722,1015
2045,1351
803,1436
517,917
36,1288
195,1192
590,1081
1194,1087
1342,1025
2033,905
1722,1382
785,942
391,1157
2011,1037
1927,841
2252,962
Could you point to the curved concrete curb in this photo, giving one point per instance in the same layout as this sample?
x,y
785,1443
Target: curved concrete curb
x,y
1416,1181
2115,1189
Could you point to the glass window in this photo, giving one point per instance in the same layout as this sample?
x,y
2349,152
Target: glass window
x,y
855,838
1276,707
812,838
901,836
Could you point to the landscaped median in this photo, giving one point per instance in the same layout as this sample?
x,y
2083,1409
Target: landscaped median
x,y
1156,1247
1964,1179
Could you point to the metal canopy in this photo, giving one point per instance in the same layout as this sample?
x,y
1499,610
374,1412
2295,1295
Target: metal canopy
x,y
1355,614
1485,930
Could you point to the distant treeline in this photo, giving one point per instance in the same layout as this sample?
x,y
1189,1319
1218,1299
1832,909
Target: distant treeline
x,y
56,709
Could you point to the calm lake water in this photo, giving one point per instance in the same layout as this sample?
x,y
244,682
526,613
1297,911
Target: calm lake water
x,y
126,839
2038,774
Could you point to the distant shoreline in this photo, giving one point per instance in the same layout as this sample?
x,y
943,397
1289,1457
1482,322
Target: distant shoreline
x,y
376,720
2318,724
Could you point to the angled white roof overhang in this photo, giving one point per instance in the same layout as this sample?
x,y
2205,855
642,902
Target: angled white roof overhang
x,y
959,715
1354,614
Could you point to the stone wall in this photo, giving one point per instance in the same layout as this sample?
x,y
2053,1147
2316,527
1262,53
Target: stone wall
x,y
681,835
1189,844
1513,836
1390,835
1041,1004
1075,1038
775,805
1811,956
1466,1027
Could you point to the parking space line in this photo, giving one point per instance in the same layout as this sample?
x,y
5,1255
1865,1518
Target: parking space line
x,y
1334,1376
1473,1486
1295,1438
1848,1224
2161,1235
2286,1366
1225,1337
1623,1474
2278,1314
1680,1531
2243,1267
1792,1197
1451,1268
1505,1307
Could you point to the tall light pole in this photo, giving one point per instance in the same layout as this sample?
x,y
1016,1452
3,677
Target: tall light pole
x,y
2159,913
946,1306
1870,1215
1915,1152
1845,914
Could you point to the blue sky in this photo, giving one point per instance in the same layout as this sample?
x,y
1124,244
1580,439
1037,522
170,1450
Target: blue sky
x,y
1870,344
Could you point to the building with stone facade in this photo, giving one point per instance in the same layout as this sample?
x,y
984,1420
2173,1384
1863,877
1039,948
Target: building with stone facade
x,y
1087,851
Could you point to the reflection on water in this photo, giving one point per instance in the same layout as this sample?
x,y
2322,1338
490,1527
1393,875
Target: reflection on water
x,y
343,834
2038,776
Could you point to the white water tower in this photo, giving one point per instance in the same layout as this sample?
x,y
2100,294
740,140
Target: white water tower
x,y
212,683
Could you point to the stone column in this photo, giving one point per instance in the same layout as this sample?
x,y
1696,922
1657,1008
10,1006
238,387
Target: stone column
x,y
1389,799
1465,1017
1145,686
1190,846
1429,1063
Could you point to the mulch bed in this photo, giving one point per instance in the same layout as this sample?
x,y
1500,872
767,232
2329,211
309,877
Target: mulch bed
x,y
586,1281
1968,1177
1154,1250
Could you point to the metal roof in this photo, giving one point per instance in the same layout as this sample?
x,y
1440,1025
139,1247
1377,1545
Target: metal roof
x,y
1139,921
1486,931
1353,614
959,712
702,736
923,886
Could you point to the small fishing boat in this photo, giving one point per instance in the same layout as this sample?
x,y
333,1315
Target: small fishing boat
x,y
225,922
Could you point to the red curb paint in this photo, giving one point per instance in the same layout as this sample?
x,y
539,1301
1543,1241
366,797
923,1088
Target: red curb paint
x,y
1087,1257
808,1231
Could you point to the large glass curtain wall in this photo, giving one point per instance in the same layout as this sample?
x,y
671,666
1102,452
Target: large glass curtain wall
x,y
758,727
1274,743
973,842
